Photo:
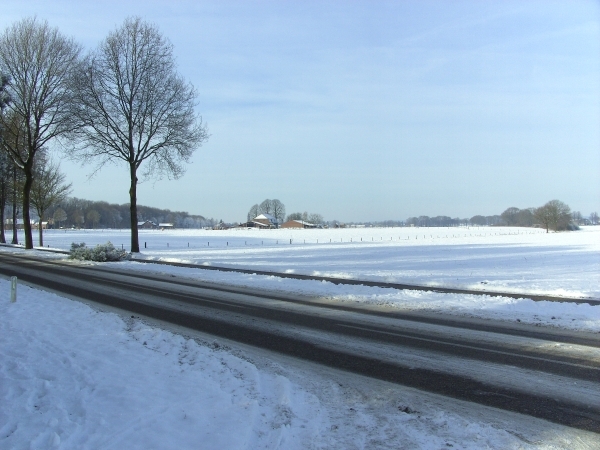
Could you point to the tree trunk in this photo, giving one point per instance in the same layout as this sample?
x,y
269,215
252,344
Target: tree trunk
x,y
41,231
135,245
2,206
26,204
15,239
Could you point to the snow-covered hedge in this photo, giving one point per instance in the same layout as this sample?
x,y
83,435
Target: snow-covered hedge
x,y
102,252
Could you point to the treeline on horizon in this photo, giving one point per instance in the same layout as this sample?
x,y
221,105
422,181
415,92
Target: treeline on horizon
x,y
552,213
80,213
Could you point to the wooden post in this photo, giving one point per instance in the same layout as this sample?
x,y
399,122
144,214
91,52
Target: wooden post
x,y
13,289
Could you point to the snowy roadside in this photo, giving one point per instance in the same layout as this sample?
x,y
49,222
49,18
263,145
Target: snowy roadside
x,y
582,317
75,378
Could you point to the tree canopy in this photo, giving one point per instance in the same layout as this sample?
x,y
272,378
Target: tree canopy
x,y
37,59
131,105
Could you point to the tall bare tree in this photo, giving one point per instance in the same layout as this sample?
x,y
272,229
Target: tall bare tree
x,y
49,188
132,105
278,210
16,191
5,161
253,212
554,215
5,185
266,207
37,59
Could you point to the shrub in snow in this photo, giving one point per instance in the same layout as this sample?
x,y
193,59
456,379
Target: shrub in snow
x,y
101,253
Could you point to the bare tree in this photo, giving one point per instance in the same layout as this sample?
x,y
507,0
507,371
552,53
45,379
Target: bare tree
x,y
278,210
315,219
17,182
594,218
5,172
554,215
59,216
77,218
132,105
253,212
510,216
49,188
37,59
5,162
266,207
478,220
94,217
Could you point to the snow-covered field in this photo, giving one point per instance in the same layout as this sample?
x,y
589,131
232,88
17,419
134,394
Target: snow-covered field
x,y
521,260
504,259
73,378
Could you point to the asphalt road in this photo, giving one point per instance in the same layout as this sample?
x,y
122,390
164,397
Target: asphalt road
x,y
539,371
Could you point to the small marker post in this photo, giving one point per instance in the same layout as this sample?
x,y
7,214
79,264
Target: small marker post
x,y
13,289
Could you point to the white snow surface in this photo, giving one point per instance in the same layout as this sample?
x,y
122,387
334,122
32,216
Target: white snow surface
x,y
507,259
516,260
72,377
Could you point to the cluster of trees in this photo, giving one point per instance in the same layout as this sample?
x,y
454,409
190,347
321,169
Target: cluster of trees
x,y
277,209
272,207
122,102
47,189
80,213
438,221
314,218
592,219
554,215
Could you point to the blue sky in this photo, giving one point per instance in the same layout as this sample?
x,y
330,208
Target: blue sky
x,y
369,110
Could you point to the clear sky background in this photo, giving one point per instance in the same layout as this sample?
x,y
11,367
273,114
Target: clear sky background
x,y
368,110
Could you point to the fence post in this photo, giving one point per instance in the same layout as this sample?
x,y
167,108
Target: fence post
x,y
13,289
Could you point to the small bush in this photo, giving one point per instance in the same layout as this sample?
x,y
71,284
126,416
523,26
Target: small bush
x,y
100,253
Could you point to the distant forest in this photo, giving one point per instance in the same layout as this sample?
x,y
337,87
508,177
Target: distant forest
x,y
79,213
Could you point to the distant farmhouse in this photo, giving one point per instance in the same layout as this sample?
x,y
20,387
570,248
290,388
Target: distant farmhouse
x,y
147,225
298,224
262,221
